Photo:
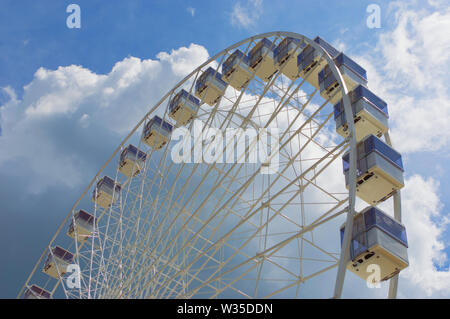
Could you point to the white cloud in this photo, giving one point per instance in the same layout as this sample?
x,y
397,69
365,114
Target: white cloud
x,y
69,119
438,3
183,60
246,15
409,70
428,273
425,224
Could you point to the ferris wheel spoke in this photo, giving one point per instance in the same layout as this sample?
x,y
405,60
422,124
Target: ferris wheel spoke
x,y
154,201
255,107
256,211
259,209
186,184
155,215
275,248
205,223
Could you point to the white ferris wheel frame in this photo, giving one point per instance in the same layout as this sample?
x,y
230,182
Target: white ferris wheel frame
x,y
350,209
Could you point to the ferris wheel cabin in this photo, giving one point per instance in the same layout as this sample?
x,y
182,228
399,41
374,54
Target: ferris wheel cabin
x,y
36,292
157,133
352,73
82,225
377,239
286,55
261,59
106,192
310,60
379,170
210,87
57,261
131,161
236,70
183,107
370,114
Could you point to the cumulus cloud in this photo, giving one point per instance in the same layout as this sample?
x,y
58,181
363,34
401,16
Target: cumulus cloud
x,y
408,69
426,221
246,15
425,224
69,119
183,60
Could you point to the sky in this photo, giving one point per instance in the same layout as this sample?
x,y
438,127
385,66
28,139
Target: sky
x,y
69,96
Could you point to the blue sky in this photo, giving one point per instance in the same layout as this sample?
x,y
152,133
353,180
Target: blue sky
x,y
34,34
407,62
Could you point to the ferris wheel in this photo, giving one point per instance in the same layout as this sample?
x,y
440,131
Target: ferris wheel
x,y
173,213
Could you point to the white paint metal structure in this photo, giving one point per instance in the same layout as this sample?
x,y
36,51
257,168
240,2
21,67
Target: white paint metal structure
x,y
223,229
